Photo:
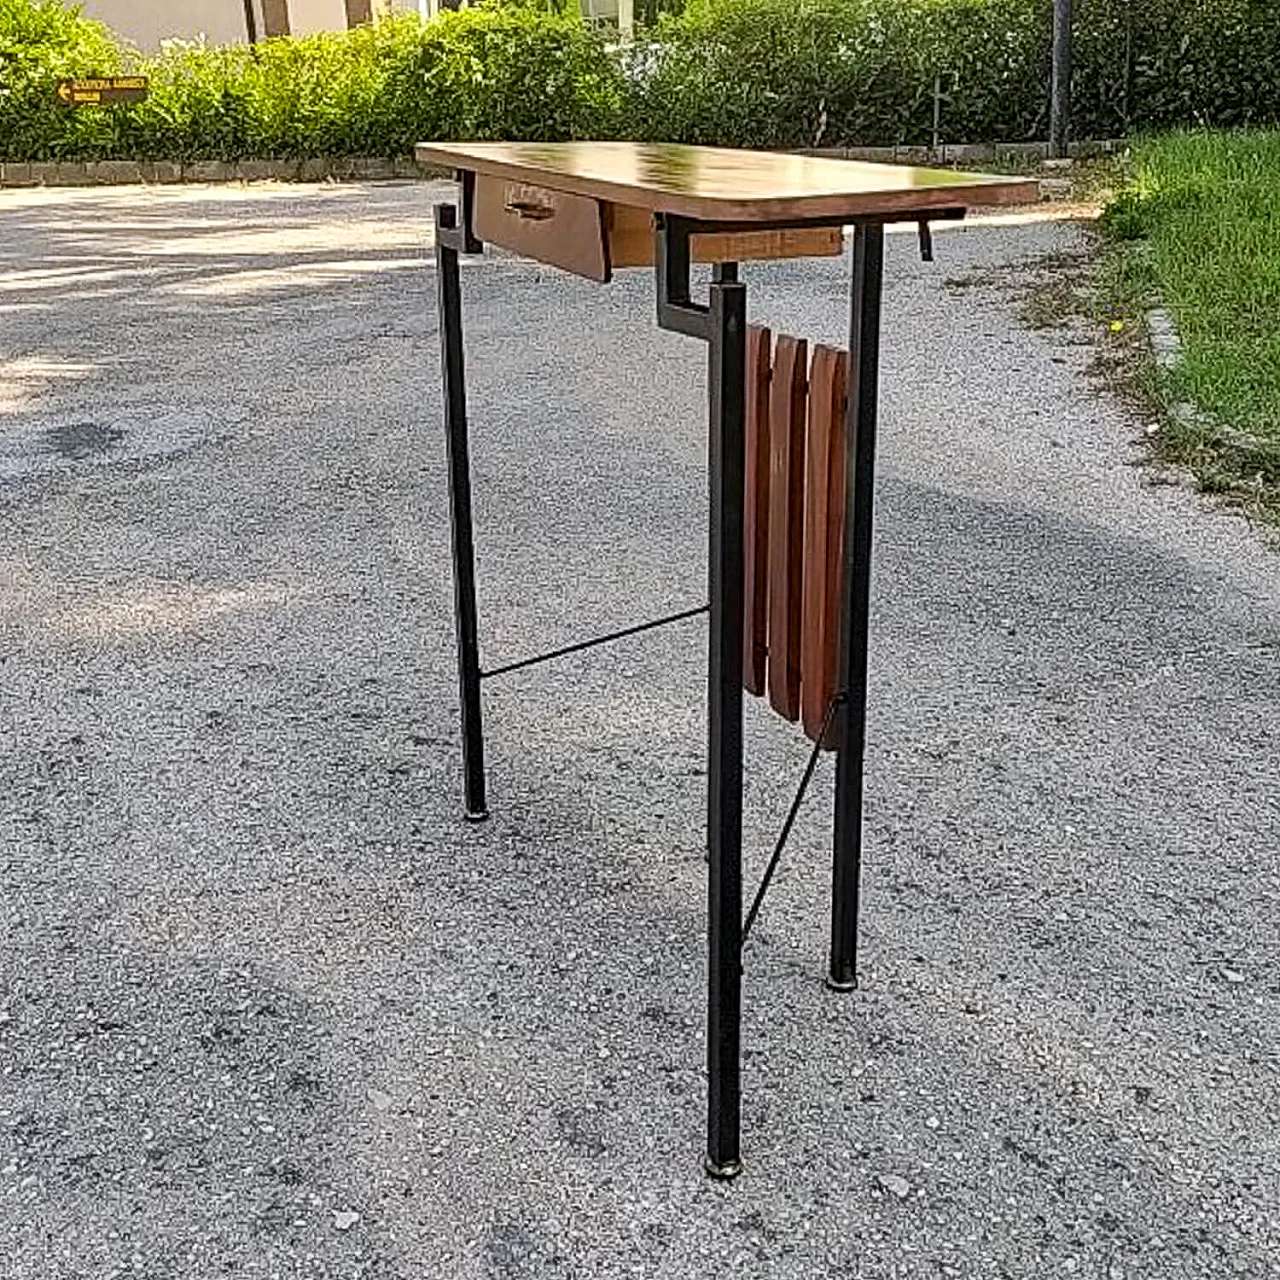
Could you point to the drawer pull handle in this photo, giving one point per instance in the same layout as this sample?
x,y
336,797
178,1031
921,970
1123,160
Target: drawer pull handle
x,y
527,209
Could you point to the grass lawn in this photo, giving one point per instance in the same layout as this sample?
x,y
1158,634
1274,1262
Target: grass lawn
x,y
1198,227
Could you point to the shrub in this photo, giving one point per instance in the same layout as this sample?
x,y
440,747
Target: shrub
x,y
40,42
780,73
1164,63
993,59
477,73
785,74
756,73
796,73
501,73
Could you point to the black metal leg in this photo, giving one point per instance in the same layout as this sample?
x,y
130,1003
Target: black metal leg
x,y
864,377
727,383
464,568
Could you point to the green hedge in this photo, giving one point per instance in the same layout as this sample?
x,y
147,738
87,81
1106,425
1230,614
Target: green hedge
x,y
1148,65
796,73
772,73
477,73
39,44
787,73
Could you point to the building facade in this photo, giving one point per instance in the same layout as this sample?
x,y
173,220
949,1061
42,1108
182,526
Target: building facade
x,y
147,23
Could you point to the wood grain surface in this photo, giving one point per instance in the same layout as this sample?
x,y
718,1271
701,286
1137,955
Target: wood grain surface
x,y
755,563
723,184
551,226
823,534
786,521
630,232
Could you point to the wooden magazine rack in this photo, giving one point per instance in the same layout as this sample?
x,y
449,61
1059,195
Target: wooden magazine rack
x,y
796,411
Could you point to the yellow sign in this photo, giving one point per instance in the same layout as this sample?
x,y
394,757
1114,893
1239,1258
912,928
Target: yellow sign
x,y
102,90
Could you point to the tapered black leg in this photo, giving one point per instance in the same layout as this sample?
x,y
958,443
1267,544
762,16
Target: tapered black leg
x,y
724,765
464,568
864,377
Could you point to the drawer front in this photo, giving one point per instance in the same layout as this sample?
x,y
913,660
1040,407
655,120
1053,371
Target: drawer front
x,y
631,241
564,230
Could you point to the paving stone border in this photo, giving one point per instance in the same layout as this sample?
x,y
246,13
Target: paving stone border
x,y
1166,347
93,173
971,153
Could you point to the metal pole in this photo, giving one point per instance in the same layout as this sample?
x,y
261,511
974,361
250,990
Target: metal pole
x,y
864,378
727,453
1060,103
464,567
937,114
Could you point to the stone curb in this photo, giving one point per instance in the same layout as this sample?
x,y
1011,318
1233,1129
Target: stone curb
x,y
1166,347
93,173
970,153
1164,338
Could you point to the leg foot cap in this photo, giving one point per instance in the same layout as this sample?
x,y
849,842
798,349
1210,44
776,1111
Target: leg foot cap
x,y
479,815
723,1172
841,984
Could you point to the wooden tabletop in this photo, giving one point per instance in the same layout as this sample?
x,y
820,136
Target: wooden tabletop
x,y
721,184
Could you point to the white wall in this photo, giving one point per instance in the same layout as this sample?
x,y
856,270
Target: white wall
x,y
306,16
147,22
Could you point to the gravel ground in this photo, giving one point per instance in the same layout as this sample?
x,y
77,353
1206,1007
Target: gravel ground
x,y
269,1008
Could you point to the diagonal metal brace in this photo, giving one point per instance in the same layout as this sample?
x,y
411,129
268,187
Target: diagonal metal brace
x,y
592,643
836,702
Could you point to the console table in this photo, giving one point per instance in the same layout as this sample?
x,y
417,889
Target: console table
x,y
593,208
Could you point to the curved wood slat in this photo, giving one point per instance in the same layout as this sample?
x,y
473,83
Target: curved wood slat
x,y
755,564
786,521
823,534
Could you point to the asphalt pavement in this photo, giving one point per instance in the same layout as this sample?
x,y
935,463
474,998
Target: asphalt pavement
x,y
270,1008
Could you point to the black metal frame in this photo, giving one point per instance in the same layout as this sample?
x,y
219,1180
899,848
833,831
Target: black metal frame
x,y
721,323
851,728
450,241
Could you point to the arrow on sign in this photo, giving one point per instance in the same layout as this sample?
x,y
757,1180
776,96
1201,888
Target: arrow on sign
x,y
64,90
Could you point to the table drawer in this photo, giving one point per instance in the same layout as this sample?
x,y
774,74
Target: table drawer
x,y
552,226
591,237
630,232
